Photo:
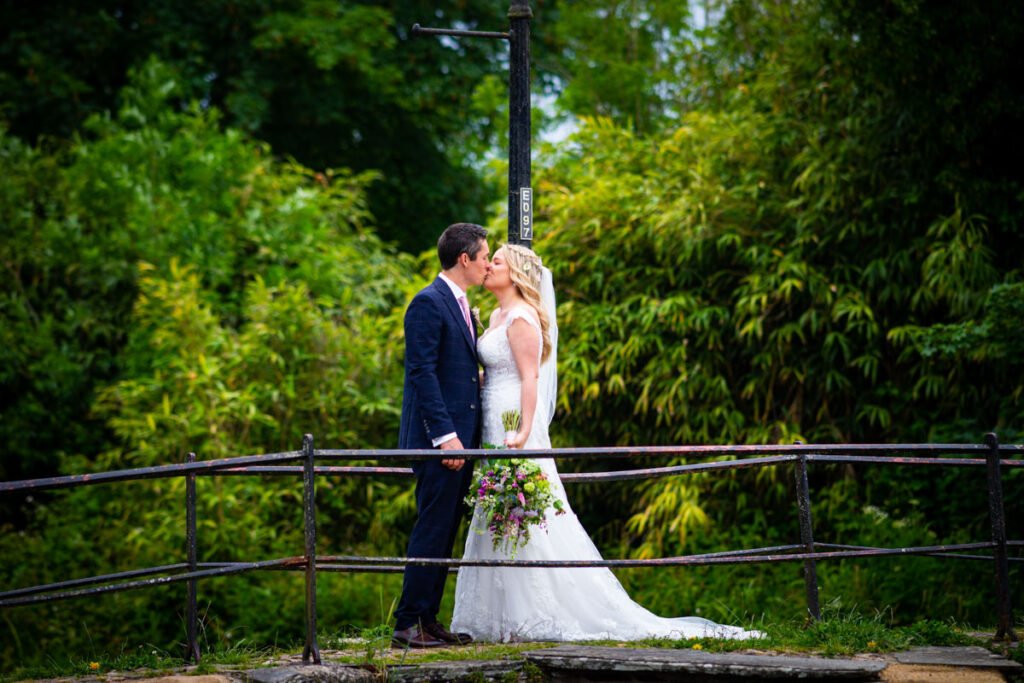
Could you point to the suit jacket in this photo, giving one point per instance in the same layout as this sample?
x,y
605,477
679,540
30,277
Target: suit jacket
x,y
442,382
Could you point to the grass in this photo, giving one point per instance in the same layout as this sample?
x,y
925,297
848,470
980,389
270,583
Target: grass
x,y
837,634
144,658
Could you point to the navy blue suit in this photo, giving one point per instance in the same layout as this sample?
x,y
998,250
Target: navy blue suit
x,y
441,395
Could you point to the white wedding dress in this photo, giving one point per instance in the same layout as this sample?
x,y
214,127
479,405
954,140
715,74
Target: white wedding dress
x,y
506,604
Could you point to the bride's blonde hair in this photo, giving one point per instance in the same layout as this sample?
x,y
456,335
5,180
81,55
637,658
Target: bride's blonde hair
x,y
524,268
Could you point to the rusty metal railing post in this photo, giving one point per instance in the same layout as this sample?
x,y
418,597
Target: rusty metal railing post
x,y
312,650
803,499
1004,613
191,611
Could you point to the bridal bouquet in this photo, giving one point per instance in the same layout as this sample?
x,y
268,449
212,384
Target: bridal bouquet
x,y
514,495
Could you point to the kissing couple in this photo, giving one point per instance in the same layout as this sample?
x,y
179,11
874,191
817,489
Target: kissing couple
x,y
449,404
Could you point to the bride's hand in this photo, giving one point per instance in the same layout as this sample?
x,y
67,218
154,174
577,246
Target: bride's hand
x,y
518,441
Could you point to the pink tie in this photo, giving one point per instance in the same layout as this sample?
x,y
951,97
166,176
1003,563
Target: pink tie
x,y
464,305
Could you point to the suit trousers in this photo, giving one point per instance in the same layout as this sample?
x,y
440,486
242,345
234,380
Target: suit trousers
x,y
439,501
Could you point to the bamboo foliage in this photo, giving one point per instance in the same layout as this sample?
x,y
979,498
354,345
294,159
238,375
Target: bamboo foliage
x,y
765,270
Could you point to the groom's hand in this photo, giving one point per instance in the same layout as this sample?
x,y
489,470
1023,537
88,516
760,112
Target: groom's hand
x,y
452,463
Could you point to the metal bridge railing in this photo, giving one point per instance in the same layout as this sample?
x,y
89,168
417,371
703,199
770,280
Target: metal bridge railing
x,y
990,455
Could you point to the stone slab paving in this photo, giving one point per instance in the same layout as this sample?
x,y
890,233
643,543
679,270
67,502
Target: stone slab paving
x,y
972,657
184,678
495,670
583,663
310,673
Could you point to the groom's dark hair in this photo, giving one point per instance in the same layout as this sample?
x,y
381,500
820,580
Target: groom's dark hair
x,y
458,238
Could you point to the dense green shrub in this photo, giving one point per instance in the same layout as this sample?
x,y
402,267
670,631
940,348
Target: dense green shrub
x,y
806,251
236,302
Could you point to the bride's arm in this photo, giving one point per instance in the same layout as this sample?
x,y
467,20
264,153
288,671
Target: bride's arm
x,y
525,342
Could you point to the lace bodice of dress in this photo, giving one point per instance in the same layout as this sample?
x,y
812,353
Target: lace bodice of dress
x,y
502,385
494,349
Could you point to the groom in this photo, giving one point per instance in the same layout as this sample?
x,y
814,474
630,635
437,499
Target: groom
x,y
440,409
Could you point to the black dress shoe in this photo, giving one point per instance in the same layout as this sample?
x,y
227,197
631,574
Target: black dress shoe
x,y
441,633
415,638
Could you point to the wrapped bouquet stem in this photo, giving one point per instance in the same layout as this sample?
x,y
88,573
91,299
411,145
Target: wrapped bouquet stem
x,y
511,420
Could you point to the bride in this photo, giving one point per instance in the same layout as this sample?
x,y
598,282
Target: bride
x,y
516,604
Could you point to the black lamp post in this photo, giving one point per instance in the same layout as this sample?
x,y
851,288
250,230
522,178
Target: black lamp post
x,y
520,194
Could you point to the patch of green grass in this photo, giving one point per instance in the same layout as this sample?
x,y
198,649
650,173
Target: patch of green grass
x,y
143,657
852,634
836,634
373,642
148,658
387,656
532,673
1013,651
